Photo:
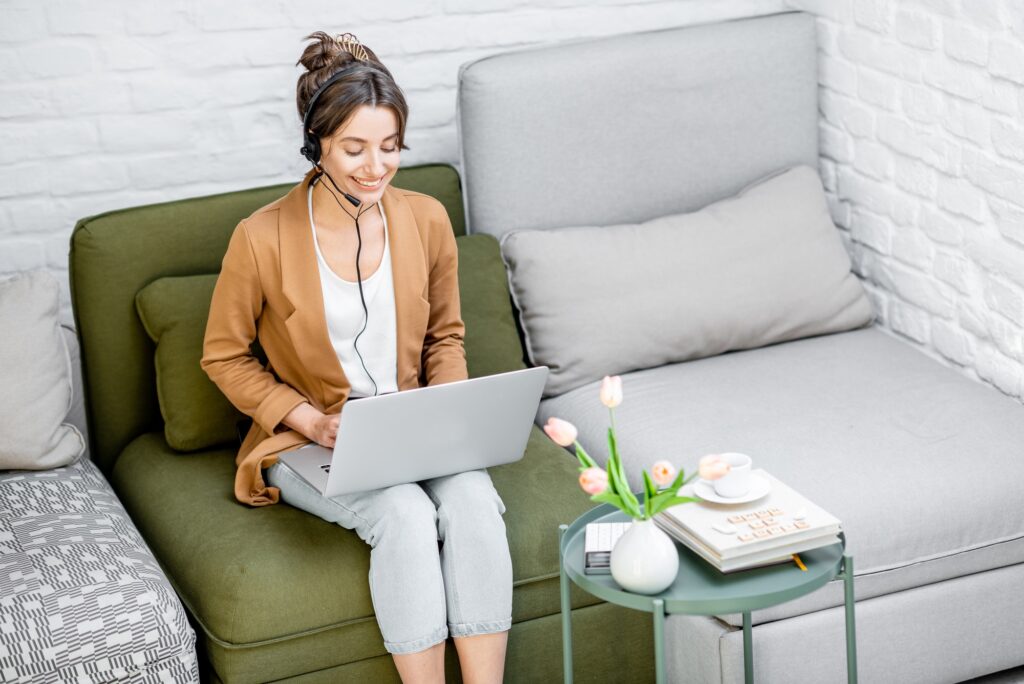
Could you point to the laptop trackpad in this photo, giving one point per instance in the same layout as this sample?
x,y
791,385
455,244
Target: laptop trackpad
x,y
312,463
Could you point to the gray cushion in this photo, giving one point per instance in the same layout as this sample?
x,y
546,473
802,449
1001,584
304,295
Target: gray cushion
x,y
81,597
35,374
922,465
626,128
765,266
76,415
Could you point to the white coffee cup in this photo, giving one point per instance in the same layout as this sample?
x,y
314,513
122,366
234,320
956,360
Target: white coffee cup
x,y
736,482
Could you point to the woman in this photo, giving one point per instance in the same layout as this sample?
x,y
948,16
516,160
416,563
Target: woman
x,y
350,286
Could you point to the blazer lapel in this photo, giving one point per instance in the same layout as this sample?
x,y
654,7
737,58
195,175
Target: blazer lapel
x,y
300,284
409,276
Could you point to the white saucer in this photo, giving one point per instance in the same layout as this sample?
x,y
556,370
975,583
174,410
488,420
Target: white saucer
x,y
759,487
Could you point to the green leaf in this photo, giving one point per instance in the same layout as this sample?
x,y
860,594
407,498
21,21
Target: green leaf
x,y
672,501
677,483
617,479
649,488
663,496
608,497
584,458
614,462
613,475
620,487
622,483
658,503
649,491
625,482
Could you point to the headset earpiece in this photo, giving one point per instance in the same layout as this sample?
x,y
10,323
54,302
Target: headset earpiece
x,y
310,147
310,141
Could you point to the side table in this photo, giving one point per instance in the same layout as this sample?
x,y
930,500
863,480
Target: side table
x,y
700,589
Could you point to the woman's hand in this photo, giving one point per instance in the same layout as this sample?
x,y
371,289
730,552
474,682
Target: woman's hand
x,y
320,427
324,430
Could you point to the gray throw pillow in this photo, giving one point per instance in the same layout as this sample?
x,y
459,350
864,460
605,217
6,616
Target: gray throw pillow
x,y
762,267
35,374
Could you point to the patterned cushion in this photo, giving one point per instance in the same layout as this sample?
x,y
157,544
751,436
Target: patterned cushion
x,y
81,597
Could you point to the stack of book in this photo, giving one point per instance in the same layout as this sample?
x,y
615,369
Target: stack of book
x,y
598,544
741,536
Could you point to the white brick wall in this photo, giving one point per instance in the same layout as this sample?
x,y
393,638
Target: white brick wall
x,y
921,102
107,104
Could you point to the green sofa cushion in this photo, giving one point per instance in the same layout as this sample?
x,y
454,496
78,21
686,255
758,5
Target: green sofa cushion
x,y
492,341
245,573
610,644
196,415
115,255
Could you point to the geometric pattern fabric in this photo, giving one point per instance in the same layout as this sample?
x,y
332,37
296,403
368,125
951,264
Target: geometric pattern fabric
x,y
82,599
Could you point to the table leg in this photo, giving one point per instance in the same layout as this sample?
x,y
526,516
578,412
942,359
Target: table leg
x,y
566,612
659,641
851,627
748,650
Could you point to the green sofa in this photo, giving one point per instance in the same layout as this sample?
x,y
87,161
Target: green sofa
x,y
274,593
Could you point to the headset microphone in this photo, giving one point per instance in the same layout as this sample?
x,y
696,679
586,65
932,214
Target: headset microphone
x,y
359,248
311,150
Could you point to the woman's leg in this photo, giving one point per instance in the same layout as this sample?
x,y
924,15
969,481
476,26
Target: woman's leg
x,y
400,525
477,571
482,657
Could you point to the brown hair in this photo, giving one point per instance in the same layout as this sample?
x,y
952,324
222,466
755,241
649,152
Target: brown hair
x,y
366,82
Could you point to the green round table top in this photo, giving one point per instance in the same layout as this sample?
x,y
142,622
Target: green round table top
x,y
699,588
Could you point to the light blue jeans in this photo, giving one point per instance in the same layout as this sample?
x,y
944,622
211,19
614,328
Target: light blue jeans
x,y
422,594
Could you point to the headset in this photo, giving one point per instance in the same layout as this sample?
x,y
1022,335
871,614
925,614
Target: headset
x,y
311,150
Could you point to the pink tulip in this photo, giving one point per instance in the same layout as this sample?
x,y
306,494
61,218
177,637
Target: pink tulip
x,y
611,391
561,432
712,467
663,473
594,481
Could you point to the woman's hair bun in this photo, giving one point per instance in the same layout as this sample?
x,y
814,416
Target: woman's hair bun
x,y
327,51
356,76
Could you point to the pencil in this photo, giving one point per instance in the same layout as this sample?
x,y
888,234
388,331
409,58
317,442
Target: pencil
x,y
799,563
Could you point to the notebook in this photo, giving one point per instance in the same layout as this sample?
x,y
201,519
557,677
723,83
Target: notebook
x,y
741,536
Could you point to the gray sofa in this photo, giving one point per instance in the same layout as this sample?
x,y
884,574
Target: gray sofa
x,y
630,128
81,596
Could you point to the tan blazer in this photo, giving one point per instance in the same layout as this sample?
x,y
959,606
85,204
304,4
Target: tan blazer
x,y
269,288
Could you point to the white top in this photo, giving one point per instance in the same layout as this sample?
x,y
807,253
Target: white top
x,y
344,313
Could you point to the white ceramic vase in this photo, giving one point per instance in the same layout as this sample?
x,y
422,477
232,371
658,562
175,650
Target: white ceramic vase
x,y
645,559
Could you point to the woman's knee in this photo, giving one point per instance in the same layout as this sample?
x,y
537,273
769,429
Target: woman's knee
x,y
471,500
403,511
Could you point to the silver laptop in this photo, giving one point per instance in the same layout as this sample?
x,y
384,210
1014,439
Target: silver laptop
x,y
423,433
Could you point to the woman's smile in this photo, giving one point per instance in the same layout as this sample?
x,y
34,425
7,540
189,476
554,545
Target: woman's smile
x,y
369,184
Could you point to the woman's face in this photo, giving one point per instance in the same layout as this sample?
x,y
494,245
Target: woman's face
x,y
362,155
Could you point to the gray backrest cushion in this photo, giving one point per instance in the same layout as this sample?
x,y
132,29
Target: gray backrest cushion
x,y
632,127
76,415
35,376
763,267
